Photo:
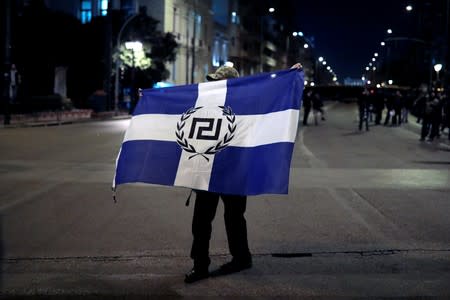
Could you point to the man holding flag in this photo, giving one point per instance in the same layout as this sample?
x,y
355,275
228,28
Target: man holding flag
x,y
228,138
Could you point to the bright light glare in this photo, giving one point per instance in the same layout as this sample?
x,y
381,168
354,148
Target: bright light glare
x,y
271,10
273,75
229,64
390,81
367,68
389,31
324,62
369,82
320,58
409,7
135,46
382,43
375,54
305,46
378,85
437,67
363,78
300,33
312,84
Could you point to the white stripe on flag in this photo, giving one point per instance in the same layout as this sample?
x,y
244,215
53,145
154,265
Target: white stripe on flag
x,y
251,130
196,173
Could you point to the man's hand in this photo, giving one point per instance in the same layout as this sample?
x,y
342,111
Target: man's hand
x,y
297,66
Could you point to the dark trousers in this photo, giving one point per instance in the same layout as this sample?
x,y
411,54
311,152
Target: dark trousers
x,y
235,225
306,115
363,118
426,124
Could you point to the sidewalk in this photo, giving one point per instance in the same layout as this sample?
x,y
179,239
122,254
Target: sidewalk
x,y
52,118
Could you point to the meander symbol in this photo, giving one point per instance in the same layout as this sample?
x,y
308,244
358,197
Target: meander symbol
x,y
220,144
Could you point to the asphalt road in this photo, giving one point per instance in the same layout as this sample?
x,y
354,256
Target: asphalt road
x,y
366,216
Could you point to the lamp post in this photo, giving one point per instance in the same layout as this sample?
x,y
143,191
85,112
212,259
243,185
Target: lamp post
x,y
134,46
261,39
437,68
117,65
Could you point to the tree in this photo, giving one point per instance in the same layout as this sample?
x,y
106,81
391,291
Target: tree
x,y
158,49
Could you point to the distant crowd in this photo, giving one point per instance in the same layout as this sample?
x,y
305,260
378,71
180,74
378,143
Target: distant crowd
x,y
432,110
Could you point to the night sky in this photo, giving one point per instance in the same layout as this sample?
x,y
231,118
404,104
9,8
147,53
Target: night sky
x,y
348,32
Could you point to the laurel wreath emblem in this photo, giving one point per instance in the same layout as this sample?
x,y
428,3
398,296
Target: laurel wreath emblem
x,y
221,144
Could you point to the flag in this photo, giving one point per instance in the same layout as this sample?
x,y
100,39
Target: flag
x,y
232,136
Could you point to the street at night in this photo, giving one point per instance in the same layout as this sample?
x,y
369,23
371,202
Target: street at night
x,y
366,216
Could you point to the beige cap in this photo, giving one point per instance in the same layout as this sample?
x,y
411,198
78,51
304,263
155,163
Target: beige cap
x,y
223,72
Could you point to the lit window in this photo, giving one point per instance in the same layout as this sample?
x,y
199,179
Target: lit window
x,y
86,11
103,7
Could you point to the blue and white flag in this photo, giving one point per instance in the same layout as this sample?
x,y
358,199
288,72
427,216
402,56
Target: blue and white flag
x,y
232,136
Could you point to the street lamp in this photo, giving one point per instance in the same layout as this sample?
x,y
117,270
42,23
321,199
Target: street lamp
x,y
437,68
116,81
134,46
409,8
389,31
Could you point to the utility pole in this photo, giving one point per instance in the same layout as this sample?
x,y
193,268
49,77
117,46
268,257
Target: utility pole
x,y
6,61
194,36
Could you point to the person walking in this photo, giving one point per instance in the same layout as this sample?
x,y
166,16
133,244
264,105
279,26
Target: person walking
x,y
397,105
427,117
317,106
307,104
235,223
363,108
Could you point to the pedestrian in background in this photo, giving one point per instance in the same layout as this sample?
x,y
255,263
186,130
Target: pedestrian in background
x,y
14,82
397,106
317,106
307,104
389,103
363,108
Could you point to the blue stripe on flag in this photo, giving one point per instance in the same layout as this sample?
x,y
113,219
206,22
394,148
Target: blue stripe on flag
x,y
172,100
252,171
244,95
148,161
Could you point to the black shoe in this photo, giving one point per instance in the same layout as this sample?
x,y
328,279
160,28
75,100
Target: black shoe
x,y
196,275
233,266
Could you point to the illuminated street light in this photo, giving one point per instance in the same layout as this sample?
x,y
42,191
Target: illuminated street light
x,y
363,78
324,62
370,64
300,33
437,68
321,59
409,8
367,68
369,82
334,78
374,68
375,54
390,81
374,59
312,84
328,68
389,31
294,33
382,44
378,85
305,46
271,10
